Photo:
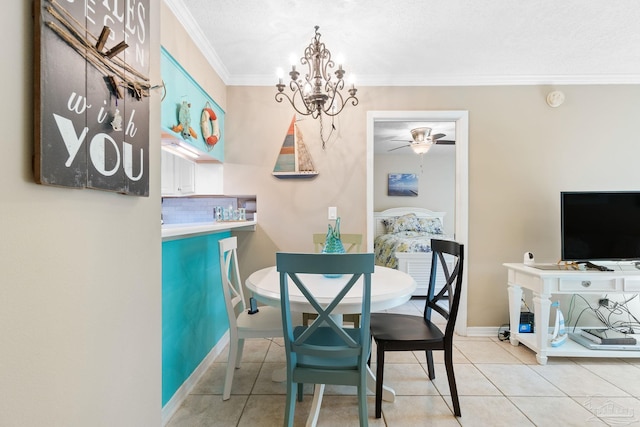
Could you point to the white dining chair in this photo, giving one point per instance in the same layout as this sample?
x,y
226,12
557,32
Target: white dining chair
x,y
265,323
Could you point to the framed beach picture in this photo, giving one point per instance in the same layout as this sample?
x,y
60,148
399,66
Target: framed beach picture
x,y
403,184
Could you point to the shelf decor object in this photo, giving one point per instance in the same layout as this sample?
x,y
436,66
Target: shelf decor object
x,y
318,92
91,96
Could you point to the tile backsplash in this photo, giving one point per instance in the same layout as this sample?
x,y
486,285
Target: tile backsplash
x,y
182,210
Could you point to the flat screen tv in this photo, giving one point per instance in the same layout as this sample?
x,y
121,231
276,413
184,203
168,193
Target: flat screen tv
x,y
600,226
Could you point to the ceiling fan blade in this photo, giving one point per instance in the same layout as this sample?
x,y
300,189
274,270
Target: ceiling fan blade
x,y
438,136
402,146
445,142
402,140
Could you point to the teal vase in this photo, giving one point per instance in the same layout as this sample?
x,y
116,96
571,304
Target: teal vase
x,y
333,244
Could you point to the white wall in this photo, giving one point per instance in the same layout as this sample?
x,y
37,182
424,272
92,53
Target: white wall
x,y
436,182
80,305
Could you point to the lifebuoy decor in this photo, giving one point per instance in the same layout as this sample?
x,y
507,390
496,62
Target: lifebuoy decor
x,y
209,125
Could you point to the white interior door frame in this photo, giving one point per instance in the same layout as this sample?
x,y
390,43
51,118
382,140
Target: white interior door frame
x,y
462,182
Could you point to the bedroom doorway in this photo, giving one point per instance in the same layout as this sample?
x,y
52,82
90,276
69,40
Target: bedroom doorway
x,y
461,119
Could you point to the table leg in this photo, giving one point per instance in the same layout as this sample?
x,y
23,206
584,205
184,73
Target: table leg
x,y
515,301
314,413
541,308
388,394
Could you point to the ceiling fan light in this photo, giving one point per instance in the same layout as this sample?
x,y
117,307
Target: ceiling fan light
x,y
421,148
420,134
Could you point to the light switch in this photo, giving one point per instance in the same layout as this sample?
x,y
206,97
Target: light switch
x,y
333,212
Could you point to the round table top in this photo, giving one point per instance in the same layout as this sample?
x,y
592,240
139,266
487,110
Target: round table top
x,y
389,288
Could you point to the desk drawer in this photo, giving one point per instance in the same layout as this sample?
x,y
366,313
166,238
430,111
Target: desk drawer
x,y
583,285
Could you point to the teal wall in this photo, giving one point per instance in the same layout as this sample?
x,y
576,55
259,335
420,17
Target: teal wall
x,y
193,312
179,87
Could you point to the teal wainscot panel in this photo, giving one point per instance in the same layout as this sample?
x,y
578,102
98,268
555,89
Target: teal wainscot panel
x,y
193,311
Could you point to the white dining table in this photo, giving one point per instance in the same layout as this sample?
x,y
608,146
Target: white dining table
x,y
389,288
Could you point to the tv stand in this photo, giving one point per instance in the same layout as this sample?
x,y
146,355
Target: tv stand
x,y
544,283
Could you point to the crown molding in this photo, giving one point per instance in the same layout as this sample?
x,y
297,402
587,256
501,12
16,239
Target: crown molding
x,y
193,30
463,80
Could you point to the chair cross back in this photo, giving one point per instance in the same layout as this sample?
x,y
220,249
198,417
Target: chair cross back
x,y
231,275
448,291
324,316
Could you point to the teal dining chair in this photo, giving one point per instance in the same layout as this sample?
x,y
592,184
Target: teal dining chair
x,y
325,352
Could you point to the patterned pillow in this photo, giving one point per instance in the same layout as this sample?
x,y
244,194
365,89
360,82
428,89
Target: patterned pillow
x,y
408,222
430,225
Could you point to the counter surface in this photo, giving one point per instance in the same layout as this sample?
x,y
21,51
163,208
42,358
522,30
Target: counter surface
x,y
179,231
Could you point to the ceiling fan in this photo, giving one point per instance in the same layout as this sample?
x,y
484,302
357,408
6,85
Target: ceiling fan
x,y
422,140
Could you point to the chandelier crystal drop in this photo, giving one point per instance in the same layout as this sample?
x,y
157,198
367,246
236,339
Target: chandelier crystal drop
x,y
320,91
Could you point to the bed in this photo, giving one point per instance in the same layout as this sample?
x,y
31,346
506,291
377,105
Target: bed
x,y
402,240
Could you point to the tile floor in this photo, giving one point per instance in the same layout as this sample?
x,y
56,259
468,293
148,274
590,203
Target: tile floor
x,y
498,385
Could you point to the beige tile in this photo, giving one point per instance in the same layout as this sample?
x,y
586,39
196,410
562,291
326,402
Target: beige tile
x,y
518,380
268,411
622,375
469,381
613,410
438,356
265,385
523,353
498,384
555,411
208,410
212,382
340,411
254,350
484,352
418,411
276,352
495,411
408,379
576,380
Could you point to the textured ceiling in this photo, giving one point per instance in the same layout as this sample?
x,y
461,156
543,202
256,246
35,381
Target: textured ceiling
x,y
423,42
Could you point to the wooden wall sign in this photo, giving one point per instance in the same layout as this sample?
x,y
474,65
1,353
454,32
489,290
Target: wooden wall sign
x,y
92,94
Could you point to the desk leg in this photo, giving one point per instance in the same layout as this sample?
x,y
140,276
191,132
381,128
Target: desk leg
x,y
515,298
542,305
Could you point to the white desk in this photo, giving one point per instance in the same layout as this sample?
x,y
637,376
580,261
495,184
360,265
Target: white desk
x,y
389,288
544,283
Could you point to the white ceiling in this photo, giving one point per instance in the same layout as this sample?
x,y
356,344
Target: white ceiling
x,y
423,42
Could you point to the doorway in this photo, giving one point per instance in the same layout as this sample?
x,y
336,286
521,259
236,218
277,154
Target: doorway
x,y
461,119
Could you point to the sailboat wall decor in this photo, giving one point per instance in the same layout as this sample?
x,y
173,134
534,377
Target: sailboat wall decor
x,y
294,161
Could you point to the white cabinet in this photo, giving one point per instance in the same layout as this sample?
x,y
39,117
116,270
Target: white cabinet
x,y
177,175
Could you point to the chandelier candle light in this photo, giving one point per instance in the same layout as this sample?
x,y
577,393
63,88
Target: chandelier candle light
x,y
318,92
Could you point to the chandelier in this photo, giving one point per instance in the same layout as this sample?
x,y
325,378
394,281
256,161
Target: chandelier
x,y
320,90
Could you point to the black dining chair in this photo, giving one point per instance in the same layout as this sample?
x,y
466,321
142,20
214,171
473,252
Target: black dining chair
x,y
403,332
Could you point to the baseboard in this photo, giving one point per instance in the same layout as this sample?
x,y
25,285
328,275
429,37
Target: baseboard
x,y
482,331
181,394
